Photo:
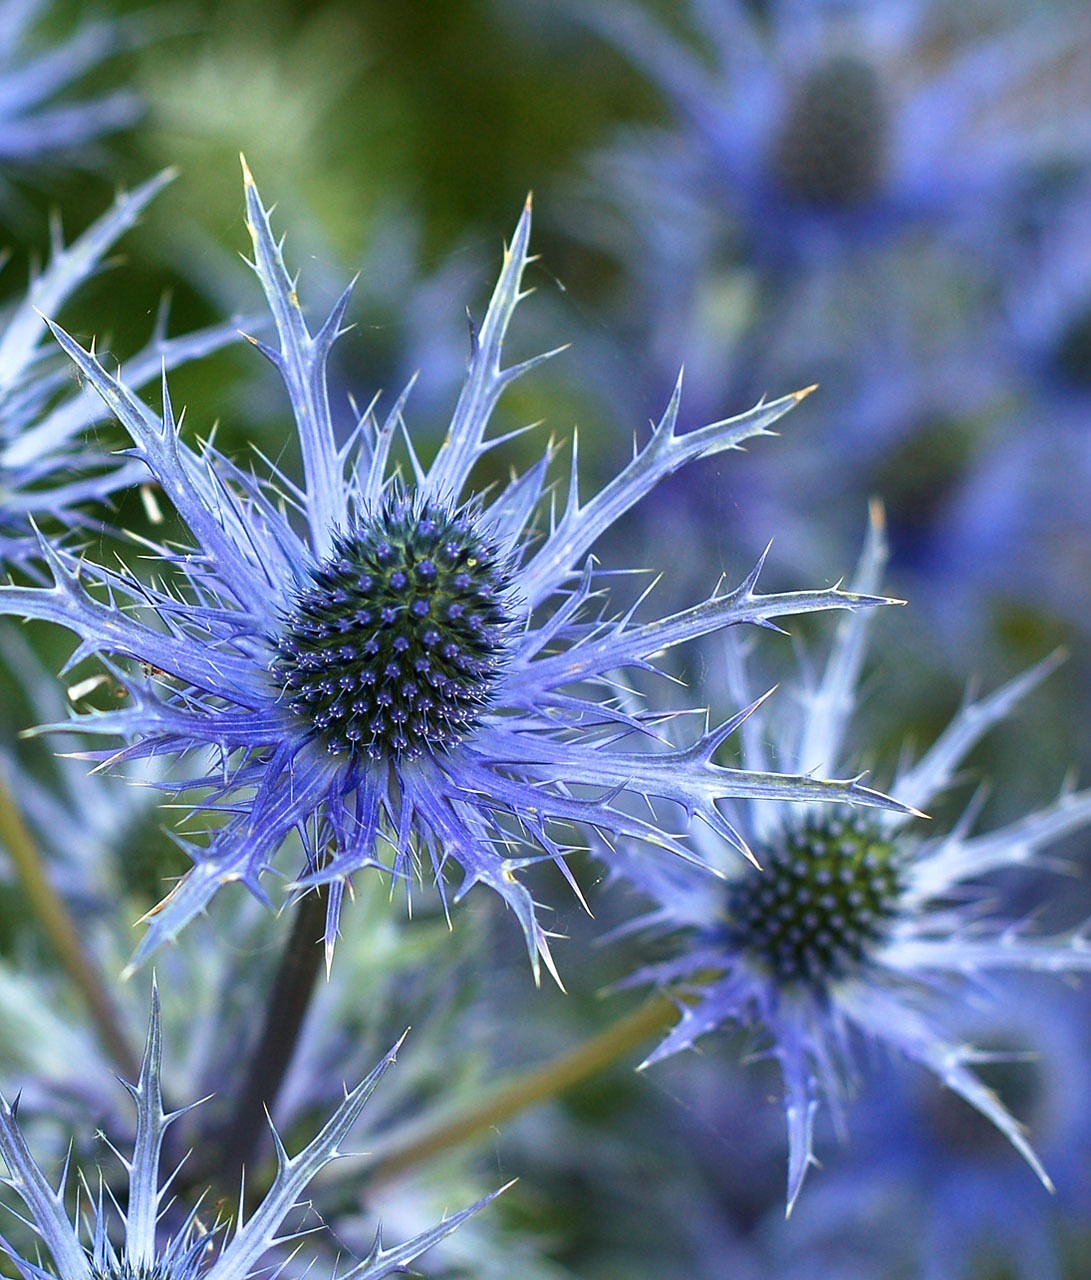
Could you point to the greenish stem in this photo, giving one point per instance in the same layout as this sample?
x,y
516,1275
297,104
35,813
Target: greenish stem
x,y
453,1127
63,935
289,999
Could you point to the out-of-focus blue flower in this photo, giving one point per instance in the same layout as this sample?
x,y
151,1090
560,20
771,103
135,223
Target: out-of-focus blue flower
x,y
857,928
403,669
191,1250
827,126
839,198
38,124
48,468
1045,344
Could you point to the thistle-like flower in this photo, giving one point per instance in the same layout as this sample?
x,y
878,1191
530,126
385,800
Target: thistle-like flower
x,y
397,671
858,929
48,470
829,126
191,1251
37,125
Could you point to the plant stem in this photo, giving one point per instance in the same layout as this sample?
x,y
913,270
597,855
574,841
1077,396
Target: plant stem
x,y
287,1006
432,1135
63,935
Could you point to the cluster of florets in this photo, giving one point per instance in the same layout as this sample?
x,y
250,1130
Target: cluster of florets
x,y
394,646
825,897
831,149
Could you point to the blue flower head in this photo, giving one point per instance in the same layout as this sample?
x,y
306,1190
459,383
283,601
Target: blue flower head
x,y
190,1252
397,671
48,468
857,928
38,123
826,126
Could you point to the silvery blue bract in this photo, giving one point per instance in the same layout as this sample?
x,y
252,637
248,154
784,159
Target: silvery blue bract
x,y
38,125
49,469
189,1252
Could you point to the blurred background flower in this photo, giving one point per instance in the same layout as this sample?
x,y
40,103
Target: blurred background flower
x,y
51,117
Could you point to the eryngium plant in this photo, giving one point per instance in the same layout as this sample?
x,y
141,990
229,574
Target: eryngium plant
x,y
389,664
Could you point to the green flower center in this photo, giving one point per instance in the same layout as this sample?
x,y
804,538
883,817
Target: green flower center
x,y
394,648
831,147
825,899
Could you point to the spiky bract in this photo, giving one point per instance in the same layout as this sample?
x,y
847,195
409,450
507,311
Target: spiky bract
x,y
49,470
39,125
191,1252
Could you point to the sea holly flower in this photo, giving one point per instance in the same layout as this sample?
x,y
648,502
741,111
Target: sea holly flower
x,y
37,124
191,1251
837,192
858,929
824,160
401,672
48,468
826,127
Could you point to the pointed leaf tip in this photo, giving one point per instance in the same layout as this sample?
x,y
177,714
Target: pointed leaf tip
x,y
247,176
797,396
1057,658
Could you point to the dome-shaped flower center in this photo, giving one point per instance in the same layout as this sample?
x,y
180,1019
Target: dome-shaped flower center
x,y
831,146
1072,357
394,648
824,899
